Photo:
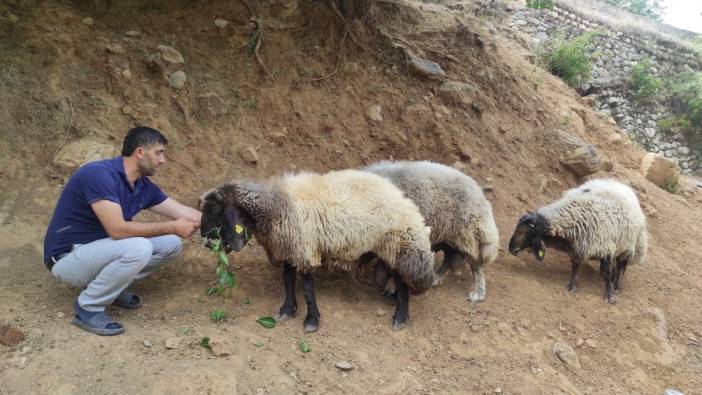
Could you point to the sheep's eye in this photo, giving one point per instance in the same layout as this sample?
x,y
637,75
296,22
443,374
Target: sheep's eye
x,y
531,225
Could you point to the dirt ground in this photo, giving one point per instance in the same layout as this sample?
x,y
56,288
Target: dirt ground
x,y
62,82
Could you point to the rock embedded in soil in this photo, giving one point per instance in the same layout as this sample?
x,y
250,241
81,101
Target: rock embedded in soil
x,y
177,80
566,354
10,336
344,365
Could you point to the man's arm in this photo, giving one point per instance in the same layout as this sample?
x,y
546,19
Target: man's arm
x,y
110,216
172,209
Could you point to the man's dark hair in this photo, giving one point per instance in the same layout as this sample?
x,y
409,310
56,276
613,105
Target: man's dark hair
x,y
141,136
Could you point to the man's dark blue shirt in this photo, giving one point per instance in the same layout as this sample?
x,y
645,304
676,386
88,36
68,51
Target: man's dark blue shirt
x,y
75,222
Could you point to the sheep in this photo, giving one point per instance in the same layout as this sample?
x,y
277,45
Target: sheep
x,y
454,207
308,220
601,219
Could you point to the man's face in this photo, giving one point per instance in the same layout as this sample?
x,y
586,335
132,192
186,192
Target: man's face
x,y
150,158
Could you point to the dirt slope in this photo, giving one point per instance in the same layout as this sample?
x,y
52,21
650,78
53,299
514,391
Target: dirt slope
x,y
60,85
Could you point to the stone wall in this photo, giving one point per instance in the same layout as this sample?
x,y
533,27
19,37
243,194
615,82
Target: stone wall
x,y
624,39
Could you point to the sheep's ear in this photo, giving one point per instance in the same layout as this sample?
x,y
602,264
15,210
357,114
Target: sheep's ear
x,y
539,249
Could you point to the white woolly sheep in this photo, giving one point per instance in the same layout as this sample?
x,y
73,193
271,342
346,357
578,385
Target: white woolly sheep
x,y
600,219
308,220
460,217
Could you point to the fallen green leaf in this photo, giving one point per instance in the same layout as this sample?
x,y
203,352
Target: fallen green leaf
x,y
247,301
304,347
267,322
184,330
258,344
205,342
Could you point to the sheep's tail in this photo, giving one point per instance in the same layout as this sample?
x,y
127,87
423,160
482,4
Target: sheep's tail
x,y
641,247
489,242
416,267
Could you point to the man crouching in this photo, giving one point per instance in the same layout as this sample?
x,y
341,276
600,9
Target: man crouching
x,y
92,242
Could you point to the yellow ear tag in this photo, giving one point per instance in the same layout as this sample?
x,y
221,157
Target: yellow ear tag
x,y
541,253
238,229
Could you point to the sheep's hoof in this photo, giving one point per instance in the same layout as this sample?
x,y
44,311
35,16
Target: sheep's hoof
x,y
283,317
571,288
611,298
476,297
311,324
437,282
398,326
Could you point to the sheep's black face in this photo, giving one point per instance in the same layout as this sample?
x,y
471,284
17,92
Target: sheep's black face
x,y
226,223
529,234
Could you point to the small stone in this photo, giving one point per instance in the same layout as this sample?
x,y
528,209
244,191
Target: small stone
x,y
127,74
343,365
13,18
173,343
566,354
659,170
170,54
133,33
60,314
591,343
373,113
26,350
115,49
380,312
250,155
579,342
583,161
426,68
10,336
88,21
148,344
498,390
177,80
221,23
221,347
673,391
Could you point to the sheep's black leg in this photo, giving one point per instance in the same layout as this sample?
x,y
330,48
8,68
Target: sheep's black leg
x,y
312,319
606,272
382,277
619,273
572,285
289,307
399,319
453,259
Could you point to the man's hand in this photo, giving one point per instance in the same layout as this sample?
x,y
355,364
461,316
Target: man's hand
x,y
185,228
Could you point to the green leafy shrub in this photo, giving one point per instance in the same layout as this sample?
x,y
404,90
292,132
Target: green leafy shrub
x,y
686,97
571,60
539,4
644,84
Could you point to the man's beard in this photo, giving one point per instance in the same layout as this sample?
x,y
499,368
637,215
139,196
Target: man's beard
x,y
147,170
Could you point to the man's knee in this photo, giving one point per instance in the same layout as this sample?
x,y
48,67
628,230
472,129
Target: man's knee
x,y
173,246
140,250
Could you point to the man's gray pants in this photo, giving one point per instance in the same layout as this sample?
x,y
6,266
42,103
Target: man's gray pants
x,y
105,267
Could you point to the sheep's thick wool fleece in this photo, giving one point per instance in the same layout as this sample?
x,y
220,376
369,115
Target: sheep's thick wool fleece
x,y
312,219
452,204
601,218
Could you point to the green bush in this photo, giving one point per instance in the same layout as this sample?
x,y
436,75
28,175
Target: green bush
x,y
675,124
644,84
571,60
539,4
686,96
